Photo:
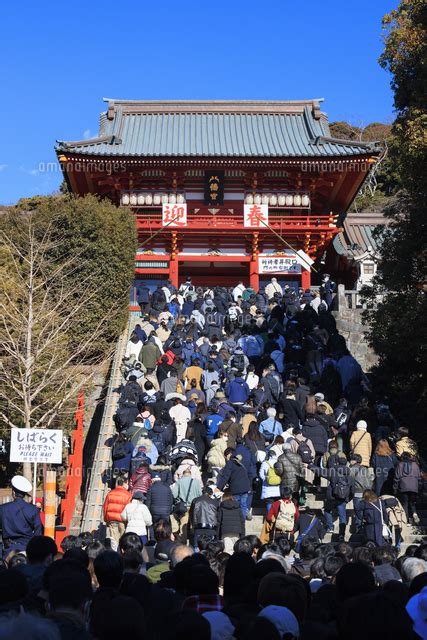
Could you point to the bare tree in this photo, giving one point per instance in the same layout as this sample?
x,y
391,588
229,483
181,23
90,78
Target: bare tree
x,y
42,368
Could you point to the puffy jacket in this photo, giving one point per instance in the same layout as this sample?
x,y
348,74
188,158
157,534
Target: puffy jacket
x,y
140,481
188,463
235,475
137,517
215,455
362,480
292,412
163,471
314,431
406,477
149,355
237,390
406,445
230,519
204,512
248,459
114,504
290,468
361,443
159,500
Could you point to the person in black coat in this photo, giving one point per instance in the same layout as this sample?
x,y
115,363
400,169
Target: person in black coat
x,y
231,523
196,432
159,499
309,525
372,512
236,477
291,409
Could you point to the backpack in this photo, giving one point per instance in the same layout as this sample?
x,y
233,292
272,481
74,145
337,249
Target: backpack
x,y
285,520
273,479
315,342
322,307
158,440
305,452
130,394
238,361
119,450
341,488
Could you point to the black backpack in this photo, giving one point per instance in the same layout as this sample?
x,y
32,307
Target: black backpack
x,y
158,439
305,452
130,394
119,450
341,488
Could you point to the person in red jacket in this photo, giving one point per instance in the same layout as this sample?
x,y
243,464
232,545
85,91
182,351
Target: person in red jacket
x,y
141,479
114,504
283,515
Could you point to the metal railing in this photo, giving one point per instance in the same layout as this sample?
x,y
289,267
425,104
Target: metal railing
x,y
98,486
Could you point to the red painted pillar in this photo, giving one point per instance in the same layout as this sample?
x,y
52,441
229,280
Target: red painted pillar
x,y
305,279
254,275
173,272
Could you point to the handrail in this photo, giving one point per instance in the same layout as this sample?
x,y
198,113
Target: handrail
x,y
74,475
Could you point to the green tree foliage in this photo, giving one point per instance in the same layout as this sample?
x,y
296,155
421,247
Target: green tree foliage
x,y
66,265
398,326
104,238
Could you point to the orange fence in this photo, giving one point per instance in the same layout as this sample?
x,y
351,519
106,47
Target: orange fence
x,y
74,473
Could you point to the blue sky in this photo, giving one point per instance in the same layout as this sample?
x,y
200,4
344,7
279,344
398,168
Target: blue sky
x,y
58,60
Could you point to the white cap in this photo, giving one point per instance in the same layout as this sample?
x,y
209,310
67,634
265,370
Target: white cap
x,y
319,397
361,425
21,484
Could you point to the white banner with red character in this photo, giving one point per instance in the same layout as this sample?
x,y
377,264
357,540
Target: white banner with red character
x,y
174,215
255,215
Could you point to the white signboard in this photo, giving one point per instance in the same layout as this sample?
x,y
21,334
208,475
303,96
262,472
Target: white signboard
x,y
36,445
174,215
279,264
255,215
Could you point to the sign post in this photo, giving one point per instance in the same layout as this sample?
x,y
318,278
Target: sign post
x,y
35,483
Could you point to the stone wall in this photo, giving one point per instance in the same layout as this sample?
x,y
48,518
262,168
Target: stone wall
x,y
349,325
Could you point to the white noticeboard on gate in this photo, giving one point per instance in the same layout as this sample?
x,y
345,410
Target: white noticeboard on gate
x,y
286,264
36,445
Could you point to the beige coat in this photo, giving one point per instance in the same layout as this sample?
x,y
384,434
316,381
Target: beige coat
x,y
361,443
215,456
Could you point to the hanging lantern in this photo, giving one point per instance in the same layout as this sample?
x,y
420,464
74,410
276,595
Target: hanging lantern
x,y
172,198
133,199
249,199
297,200
148,198
305,201
140,199
264,198
125,199
273,200
281,200
157,199
289,200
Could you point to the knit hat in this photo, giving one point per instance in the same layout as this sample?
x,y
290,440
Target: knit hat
x,y
417,609
361,425
221,625
282,618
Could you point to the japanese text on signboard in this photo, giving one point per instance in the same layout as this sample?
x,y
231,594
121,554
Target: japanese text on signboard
x,y
214,187
36,445
174,215
255,215
276,264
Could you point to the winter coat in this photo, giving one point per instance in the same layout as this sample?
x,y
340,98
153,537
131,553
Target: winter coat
x,y
237,391
224,408
230,519
215,456
271,426
292,412
361,443
188,463
234,431
317,531
235,475
384,473
149,355
290,468
163,471
114,504
407,477
255,445
123,462
395,511
212,422
199,438
301,395
182,417
406,445
186,489
295,443
137,517
333,474
362,479
159,500
314,431
369,513
204,513
268,491
140,481
248,460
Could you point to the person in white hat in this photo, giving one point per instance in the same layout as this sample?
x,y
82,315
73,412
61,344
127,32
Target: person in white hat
x,y
361,442
19,520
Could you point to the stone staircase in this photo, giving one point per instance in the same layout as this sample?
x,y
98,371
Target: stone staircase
x,y
411,534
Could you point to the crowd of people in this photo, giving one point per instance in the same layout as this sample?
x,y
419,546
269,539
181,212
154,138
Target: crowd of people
x,y
236,402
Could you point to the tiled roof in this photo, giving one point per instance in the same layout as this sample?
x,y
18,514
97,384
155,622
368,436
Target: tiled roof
x,y
243,128
357,236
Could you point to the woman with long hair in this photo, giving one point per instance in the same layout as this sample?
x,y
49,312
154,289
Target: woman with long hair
x,y
254,440
383,462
